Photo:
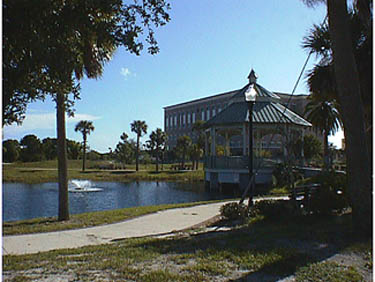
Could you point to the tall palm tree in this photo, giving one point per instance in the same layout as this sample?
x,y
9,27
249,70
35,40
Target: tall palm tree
x,y
140,128
85,127
325,117
84,34
158,139
352,81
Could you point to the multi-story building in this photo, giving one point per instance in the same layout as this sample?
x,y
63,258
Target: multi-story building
x,y
179,118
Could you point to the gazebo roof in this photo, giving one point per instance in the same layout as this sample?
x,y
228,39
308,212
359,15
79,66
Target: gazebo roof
x,y
262,94
267,110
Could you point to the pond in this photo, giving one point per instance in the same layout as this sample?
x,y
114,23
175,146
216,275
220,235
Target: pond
x,y
27,201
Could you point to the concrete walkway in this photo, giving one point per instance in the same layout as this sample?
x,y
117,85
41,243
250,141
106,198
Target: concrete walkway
x,y
159,223
153,224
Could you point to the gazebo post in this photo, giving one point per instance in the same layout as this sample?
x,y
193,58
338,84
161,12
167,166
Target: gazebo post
x,y
227,145
206,144
213,141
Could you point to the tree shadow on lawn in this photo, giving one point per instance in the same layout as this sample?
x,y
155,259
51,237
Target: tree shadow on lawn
x,y
265,250
123,172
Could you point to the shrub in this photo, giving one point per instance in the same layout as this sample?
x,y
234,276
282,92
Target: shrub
x,y
332,195
281,175
233,211
272,209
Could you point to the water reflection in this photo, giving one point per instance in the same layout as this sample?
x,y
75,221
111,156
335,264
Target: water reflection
x,y
25,201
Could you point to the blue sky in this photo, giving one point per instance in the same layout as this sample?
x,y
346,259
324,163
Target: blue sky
x,y
207,48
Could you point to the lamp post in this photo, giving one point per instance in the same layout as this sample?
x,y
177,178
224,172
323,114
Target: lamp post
x,y
250,97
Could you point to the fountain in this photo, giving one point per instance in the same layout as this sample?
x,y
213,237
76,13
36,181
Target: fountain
x,y
77,185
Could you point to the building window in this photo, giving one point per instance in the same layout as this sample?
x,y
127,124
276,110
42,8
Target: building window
x,y
193,118
202,114
166,122
171,121
184,119
188,118
213,112
219,110
208,114
175,120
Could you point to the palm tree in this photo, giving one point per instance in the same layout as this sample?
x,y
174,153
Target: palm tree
x,y
196,153
348,73
84,44
198,127
158,139
325,117
183,144
140,128
85,127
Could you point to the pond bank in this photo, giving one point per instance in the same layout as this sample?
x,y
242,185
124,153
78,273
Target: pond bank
x,y
32,175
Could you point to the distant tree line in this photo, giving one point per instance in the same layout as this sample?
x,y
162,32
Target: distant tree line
x,y
31,149
127,151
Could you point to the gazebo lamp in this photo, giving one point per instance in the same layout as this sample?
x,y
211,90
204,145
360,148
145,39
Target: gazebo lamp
x,y
250,94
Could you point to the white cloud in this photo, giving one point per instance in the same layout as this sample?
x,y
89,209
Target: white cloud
x,y
125,72
42,121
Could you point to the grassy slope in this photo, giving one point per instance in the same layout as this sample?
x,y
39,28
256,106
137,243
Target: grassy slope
x,y
257,251
46,171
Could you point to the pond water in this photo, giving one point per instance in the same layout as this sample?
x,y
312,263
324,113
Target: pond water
x,y
26,201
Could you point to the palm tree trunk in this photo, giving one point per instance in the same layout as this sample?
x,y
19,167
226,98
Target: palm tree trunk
x,y
84,153
358,165
183,159
325,153
63,209
137,154
157,160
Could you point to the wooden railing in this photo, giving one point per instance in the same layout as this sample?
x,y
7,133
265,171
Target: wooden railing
x,y
236,162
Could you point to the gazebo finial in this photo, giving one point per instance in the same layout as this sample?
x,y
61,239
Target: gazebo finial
x,y
252,77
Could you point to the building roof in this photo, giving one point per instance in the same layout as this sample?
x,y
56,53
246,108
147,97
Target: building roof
x,y
263,113
201,100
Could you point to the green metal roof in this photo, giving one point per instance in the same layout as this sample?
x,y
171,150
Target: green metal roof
x,y
267,110
262,94
263,113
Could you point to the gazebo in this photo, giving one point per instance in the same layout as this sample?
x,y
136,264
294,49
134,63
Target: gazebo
x,y
275,130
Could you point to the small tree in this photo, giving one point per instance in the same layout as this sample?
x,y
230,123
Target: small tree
x,y
312,147
183,145
85,127
125,149
198,127
157,142
31,149
74,149
49,147
325,117
196,153
140,128
11,151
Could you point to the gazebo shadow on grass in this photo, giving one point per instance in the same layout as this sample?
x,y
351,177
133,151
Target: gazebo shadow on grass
x,y
264,250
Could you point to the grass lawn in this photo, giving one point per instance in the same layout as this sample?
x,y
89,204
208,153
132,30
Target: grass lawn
x,y
46,171
310,249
